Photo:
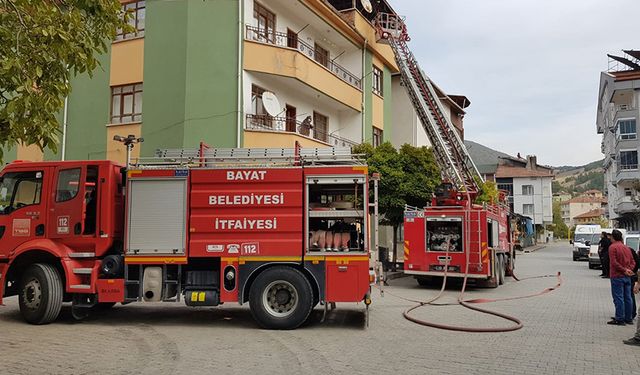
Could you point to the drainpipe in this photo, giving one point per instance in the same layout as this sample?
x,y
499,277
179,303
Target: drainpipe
x,y
64,128
240,83
364,69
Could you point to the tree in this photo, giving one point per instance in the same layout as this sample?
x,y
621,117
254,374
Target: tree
x,y
42,44
560,229
407,177
488,192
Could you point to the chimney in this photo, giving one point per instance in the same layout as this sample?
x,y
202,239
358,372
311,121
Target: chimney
x,y
532,162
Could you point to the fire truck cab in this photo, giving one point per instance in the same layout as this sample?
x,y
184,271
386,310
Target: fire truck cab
x,y
281,229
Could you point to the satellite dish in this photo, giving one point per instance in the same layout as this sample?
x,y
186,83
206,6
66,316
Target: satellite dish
x,y
366,4
271,103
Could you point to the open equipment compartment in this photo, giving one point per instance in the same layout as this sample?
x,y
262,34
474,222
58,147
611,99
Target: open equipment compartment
x,y
337,219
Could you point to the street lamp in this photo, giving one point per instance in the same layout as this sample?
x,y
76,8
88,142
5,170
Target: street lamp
x,y
129,141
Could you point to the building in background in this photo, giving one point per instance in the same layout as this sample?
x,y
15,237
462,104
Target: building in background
x,y
527,183
407,127
617,117
238,73
576,207
561,196
596,216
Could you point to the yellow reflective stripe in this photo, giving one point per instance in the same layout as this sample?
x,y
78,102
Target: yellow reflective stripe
x,y
155,259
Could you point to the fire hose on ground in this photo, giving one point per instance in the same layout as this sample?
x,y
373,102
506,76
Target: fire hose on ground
x,y
469,304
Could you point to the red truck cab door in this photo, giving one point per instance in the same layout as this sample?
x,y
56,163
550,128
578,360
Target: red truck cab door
x,y
74,203
23,207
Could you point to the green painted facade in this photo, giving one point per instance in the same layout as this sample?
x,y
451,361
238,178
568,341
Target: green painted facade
x,y
388,104
88,114
190,74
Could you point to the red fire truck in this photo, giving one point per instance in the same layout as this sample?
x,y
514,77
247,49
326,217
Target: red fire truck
x,y
281,229
453,235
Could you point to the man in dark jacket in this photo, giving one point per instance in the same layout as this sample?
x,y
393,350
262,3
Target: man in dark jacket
x,y
603,252
620,271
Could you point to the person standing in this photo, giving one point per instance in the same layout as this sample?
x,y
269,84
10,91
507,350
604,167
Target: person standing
x,y
635,340
603,252
620,270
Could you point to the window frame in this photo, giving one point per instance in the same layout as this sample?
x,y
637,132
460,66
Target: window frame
x,y
377,137
59,179
323,137
632,166
321,55
268,33
38,177
377,85
627,135
528,190
119,91
524,210
139,8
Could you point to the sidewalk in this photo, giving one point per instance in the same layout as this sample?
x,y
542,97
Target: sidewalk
x,y
533,248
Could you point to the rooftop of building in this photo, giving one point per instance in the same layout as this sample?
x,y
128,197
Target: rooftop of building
x,y
508,171
591,214
586,199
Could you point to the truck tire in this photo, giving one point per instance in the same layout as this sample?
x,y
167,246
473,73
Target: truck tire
x,y
423,281
281,298
41,293
502,266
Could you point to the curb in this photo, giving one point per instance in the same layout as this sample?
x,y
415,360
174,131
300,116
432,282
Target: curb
x,y
531,249
394,275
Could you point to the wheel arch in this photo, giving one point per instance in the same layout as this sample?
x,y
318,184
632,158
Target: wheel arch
x,y
20,263
245,286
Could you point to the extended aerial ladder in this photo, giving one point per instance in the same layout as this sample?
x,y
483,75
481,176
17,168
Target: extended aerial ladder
x,y
451,155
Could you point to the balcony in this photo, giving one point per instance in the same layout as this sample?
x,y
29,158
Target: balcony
x,y
625,205
626,172
291,126
292,41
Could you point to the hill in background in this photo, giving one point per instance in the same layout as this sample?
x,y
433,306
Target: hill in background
x,y
578,179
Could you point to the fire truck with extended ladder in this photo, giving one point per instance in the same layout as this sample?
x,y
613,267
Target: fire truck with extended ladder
x,y
453,236
281,229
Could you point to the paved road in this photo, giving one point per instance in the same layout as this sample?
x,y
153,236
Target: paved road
x,y
564,333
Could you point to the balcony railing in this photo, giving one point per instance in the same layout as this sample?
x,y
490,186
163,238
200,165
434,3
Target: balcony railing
x,y
293,126
292,41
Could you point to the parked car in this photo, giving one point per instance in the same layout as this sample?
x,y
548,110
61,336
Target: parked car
x,y
583,237
594,257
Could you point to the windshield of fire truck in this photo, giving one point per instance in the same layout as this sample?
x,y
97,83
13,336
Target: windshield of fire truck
x,y
19,189
443,234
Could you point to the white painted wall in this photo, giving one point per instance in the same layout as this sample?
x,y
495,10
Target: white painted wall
x,y
541,198
343,121
294,15
407,128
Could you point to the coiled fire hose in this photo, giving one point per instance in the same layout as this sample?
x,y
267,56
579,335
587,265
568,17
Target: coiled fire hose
x,y
469,303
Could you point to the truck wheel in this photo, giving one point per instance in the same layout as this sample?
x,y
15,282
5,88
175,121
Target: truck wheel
x,y
502,266
41,293
281,298
423,281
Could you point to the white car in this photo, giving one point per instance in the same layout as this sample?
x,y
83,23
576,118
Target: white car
x,y
594,257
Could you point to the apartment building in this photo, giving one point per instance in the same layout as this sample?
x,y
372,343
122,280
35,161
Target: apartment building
x,y
591,217
616,121
575,208
237,73
528,184
408,127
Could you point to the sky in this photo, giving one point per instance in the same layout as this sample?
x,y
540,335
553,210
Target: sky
x,y
531,68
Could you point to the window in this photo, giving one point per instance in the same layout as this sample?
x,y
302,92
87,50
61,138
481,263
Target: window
x,y
627,129
527,189
377,137
321,55
320,126
628,159
527,209
68,184
126,103
136,10
266,21
260,118
19,189
377,81
292,39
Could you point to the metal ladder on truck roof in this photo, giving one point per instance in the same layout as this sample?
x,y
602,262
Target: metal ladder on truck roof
x,y
452,156
205,157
